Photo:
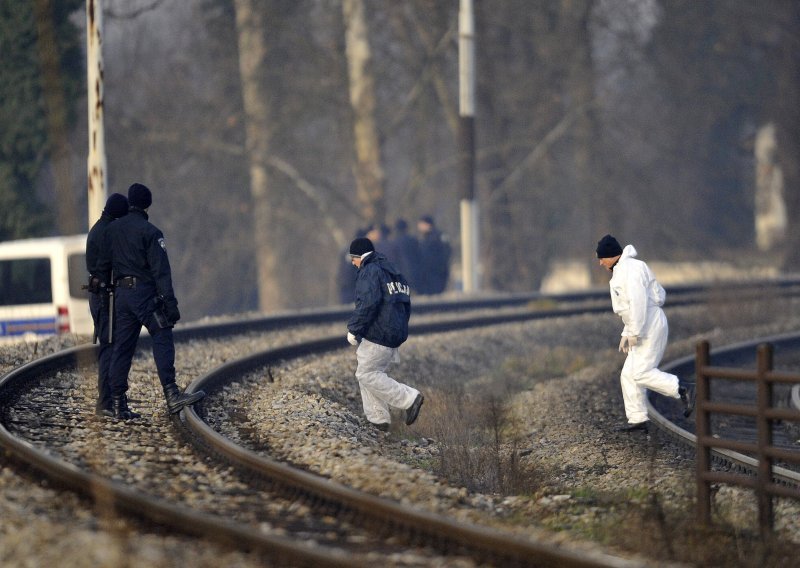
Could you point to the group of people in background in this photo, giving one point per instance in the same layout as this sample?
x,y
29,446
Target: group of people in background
x,y
424,257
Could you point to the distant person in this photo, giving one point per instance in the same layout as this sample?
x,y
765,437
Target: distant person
x,y
346,274
143,297
434,255
378,326
380,235
99,288
408,256
637,297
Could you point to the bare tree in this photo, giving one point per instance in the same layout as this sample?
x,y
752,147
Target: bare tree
x,y
68,219
595,202
368,169
788,101
259,152
250,28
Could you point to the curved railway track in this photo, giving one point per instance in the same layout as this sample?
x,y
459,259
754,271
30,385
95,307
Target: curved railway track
x,y
741,355
428,533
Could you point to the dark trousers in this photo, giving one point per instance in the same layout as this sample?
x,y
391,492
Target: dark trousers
x,y
98,306
133,308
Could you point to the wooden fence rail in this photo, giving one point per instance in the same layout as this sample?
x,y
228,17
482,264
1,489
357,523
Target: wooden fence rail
x,y
763,449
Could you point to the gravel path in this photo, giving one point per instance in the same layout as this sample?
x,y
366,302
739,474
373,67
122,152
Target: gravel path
x,y
555,469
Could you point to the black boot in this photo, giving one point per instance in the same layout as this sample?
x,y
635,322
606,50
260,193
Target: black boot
x,y
413,410
104,409
688,394
177,400
119,407
634,427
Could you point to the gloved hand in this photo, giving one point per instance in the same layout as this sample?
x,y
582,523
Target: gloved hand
x,y
94,285
626,343
171,309
352,339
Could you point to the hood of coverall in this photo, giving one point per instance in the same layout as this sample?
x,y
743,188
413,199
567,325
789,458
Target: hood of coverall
x,y
628,252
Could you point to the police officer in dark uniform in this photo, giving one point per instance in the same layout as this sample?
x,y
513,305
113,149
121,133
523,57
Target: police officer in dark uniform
x,y
99,288
143,297
434,259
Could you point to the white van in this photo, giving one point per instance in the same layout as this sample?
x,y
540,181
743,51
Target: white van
x,y
40,288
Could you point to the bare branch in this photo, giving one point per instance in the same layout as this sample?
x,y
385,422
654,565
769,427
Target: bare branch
x,y
133,14
313,193
538,151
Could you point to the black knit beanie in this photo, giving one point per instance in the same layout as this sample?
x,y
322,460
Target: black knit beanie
x,y
139,196
361,246
116,205
608,247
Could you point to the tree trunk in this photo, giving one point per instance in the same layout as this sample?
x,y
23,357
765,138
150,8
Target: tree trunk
x,y
770,206
590,193
68,220
368,170
250,29
788,133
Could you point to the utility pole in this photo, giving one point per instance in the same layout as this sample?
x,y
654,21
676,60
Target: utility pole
x,y
466,144
96,162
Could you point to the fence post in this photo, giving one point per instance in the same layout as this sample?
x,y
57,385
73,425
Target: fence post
x,y
764,427
702,429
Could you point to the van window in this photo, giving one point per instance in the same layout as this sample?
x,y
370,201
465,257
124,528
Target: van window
x,y
78,276
25,281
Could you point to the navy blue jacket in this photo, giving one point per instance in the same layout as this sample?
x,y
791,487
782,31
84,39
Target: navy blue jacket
x,y
434,263
383,303
137,249
95,241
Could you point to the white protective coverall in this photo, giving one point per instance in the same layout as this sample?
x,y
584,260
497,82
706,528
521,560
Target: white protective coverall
x,y
637,297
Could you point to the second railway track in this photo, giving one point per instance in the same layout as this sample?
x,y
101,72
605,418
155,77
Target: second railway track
x,y
328,535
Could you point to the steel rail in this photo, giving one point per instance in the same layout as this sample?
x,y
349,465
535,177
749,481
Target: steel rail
x,y
744,463
140,505
379,510
194,523
676,296
186,521
481,542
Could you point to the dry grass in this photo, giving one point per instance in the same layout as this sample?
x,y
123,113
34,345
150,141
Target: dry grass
x,y
480,443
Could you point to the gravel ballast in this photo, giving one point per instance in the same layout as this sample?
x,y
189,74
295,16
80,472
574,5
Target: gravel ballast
x,y
578,481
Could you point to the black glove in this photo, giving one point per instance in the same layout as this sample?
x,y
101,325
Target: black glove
x,y
94,285
171,310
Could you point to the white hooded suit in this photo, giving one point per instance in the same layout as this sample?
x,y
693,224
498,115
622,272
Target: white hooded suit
x,y
637,297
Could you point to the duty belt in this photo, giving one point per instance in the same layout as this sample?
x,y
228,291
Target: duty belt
x,y
126,282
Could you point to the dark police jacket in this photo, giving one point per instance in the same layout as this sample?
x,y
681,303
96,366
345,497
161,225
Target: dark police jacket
x,y
137,249
95,241
383,303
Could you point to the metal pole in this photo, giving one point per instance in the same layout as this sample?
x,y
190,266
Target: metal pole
x,y
466,139
96,162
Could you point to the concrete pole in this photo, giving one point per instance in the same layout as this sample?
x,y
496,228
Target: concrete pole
x,y
96,162
466,140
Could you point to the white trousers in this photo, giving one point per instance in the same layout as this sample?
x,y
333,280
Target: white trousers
x,y
640,370
379,390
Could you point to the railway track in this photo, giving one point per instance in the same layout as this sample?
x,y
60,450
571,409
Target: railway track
x,y
431,536
742,355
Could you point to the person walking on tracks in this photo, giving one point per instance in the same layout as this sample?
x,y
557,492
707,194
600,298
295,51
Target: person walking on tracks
x,y
100,291
378,326
637,297
144,297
